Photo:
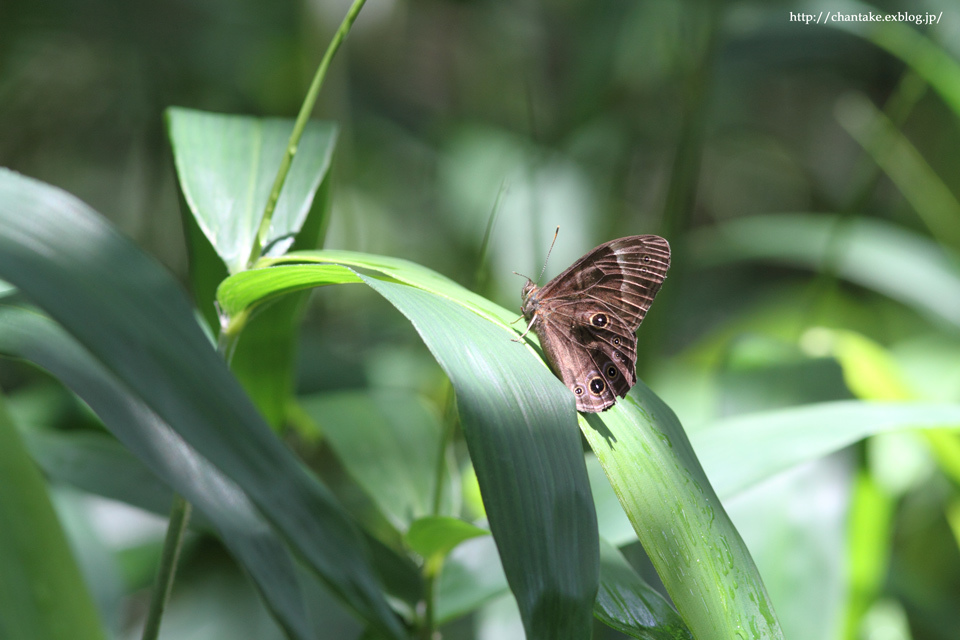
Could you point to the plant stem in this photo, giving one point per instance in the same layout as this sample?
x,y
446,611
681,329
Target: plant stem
x,y
427,628
448,426
305,110
172,543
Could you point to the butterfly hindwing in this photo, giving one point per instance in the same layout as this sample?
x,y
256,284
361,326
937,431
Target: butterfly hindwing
x,y
595,372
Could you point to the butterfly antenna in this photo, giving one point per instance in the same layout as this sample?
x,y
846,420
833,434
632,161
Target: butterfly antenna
x,y
549,251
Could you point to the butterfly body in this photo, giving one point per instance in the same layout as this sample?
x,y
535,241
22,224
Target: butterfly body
x,y
586,318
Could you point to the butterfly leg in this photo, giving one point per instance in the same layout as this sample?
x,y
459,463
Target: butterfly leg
x,y
527,330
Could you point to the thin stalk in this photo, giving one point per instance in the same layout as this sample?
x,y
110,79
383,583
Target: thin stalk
x,y
481,275
172,543
445,436
429,618
305,110
431,570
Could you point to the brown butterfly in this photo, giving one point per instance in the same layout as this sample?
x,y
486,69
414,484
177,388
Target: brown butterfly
x,y
587,317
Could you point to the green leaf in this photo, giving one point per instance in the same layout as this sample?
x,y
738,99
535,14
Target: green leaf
x,y
226,165
400,270
628,604
138,326
247,289
888,259
688,536
870,532
490,370
389,443
471,577
264,356
42,594
527,455
524,445
436,536
97,463
796,526
285,584
218,157
740,452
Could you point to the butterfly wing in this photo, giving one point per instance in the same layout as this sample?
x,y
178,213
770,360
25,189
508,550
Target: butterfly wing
x,y
588,316
588,364
625,273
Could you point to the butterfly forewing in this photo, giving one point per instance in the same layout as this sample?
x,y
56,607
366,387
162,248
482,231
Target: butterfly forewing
x,y
587,316
626,273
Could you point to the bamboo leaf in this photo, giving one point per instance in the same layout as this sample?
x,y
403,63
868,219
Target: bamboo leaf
x,y
389,443
628,604
42,594
472,349
701,559
885,258
527,455
226,165
217,157
740,452
131,317
439,535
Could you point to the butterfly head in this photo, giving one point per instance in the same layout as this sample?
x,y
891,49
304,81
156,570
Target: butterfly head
x,y
529,298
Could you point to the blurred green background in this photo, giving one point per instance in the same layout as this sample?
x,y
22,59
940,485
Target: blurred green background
x,y
807,177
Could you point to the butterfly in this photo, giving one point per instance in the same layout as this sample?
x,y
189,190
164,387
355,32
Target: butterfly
x,y
587,317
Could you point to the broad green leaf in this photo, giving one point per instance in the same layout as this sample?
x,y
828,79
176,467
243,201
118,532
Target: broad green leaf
x,y
136,323
97,463
264,356
527,456
402,271
42,594
285,584
389,443
471,577
524,447
447,312
434,537
628,604
796,527
227,164
700,557
218,159
883,257
247,289
740,452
